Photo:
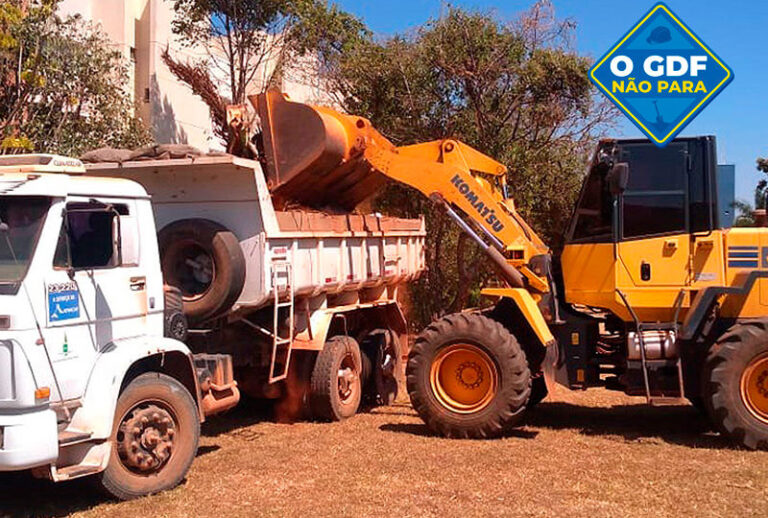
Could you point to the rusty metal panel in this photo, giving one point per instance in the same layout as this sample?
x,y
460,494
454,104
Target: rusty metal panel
x,y
313,155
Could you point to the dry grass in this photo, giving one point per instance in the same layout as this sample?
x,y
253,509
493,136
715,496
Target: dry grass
x,y
580,454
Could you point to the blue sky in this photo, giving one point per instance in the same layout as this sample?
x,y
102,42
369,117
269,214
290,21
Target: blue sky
x,y
733,29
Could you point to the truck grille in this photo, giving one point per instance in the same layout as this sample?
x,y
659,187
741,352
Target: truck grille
x,y
7,382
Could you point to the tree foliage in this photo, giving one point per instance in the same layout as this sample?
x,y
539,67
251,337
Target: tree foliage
x,y
63,89
245,40
516,91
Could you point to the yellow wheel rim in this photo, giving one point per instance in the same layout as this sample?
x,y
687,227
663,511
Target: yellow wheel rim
x,y
754,387
463,378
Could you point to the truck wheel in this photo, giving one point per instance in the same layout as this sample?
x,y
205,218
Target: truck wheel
x,y
204,260
735,384
154,438
382,362
335,386
176,325
468,377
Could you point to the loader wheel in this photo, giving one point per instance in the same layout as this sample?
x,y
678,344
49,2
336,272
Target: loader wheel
x,y
468,377
336,386
154,438
735,384
204,260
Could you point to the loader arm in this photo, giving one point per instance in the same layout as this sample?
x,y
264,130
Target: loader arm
x,y
320,157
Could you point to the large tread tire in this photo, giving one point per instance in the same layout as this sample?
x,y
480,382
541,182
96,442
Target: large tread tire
x,y
505,409
721,383
118,480
325,399
200,236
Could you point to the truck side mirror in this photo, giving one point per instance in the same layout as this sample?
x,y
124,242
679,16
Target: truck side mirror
x,y
618,178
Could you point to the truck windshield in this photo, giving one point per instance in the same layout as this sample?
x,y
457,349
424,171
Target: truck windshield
x,y
24,216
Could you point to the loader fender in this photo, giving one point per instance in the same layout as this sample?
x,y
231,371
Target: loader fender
x,y
117,364
528,307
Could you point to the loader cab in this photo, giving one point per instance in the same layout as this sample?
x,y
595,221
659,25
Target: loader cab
x,y
635,227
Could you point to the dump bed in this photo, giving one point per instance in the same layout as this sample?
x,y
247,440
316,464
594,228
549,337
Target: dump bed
x,y
327,253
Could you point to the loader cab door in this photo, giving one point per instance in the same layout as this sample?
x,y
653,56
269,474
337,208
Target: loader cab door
x,y
653,222
642,235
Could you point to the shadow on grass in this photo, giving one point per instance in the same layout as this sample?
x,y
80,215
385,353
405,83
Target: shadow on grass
x,y
24,495
681,425
421,430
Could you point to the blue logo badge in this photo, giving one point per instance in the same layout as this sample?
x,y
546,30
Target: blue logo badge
x,y
63,302
661,75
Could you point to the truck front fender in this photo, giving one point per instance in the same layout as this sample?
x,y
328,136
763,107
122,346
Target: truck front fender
x,y
116,365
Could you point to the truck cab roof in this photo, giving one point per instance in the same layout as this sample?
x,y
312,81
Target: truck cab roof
x,y
53,175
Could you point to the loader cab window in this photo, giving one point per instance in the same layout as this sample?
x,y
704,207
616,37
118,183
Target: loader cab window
x,y
670,190
656,197
593,215
89,237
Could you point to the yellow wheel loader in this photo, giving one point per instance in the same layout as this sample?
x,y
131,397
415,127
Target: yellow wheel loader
x,y
652,294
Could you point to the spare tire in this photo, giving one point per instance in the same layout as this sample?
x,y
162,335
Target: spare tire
x,y
203,260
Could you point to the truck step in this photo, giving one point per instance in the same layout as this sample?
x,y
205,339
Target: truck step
x,y
76,471
67,438
668,401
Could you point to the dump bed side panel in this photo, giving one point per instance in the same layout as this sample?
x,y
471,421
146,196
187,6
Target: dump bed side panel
x,y
328,253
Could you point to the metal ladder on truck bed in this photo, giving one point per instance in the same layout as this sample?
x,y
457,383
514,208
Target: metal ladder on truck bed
x,y
645,362
281,345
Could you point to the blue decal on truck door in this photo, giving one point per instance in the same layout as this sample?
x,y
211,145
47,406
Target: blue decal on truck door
x,y
63,302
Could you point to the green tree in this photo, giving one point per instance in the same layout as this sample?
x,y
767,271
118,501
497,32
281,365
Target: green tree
x,y
245,39
516,91
63,88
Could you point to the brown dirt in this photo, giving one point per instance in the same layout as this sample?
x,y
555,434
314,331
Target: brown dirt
x,y
580,454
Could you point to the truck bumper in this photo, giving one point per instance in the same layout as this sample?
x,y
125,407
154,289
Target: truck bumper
x,y
28,440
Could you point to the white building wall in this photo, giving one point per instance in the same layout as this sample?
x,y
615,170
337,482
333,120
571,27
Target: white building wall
x,y
141,30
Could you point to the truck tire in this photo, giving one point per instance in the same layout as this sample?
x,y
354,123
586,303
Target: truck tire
x,y
468,377
176,325
735,384
204,260
336,385
154,439
382,362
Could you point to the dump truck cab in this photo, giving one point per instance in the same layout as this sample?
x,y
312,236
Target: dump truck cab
x,y
89,383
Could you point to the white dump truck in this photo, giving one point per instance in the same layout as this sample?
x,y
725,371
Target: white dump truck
x,y
100,372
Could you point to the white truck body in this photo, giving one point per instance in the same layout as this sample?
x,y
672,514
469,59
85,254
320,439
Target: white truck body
x,y
328,253
69,336
75,331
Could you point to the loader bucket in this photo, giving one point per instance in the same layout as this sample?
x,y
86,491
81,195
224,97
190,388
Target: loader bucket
x,y
314,155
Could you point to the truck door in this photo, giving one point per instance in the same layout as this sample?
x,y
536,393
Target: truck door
x,y
654,240
96,293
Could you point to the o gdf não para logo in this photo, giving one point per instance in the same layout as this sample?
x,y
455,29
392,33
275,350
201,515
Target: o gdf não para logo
x,y
660,74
